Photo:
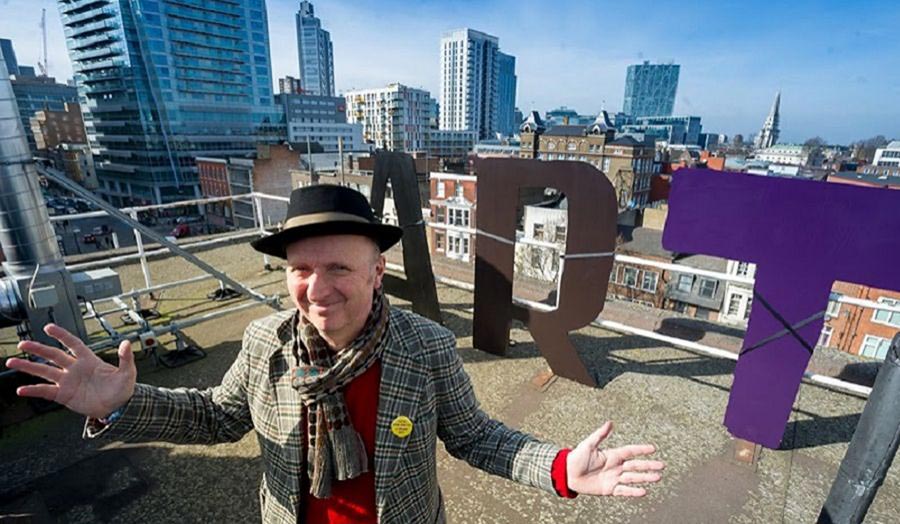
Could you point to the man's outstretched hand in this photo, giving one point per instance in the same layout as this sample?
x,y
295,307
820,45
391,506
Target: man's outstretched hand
x,y
79,379
615,471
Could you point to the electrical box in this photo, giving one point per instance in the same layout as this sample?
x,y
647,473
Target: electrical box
x,y
43,297
97,284
148,340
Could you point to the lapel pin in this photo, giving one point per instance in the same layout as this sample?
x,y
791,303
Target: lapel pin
x,y
401,427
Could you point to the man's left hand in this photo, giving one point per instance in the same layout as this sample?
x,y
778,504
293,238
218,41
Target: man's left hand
x,y
595,471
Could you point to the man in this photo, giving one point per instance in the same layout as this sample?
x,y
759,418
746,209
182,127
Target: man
x,y
347,395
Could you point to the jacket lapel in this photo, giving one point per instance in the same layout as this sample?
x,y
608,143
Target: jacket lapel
x,y
287,405
402,379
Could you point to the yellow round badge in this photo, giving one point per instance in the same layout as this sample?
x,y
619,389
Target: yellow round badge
x,y
401,426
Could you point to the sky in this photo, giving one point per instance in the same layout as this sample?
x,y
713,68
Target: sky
x,y
836,63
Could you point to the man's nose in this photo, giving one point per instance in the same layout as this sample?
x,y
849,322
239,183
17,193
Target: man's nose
x,y
317,287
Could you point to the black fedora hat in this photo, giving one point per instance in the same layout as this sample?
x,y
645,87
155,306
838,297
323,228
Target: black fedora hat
x,y
327,210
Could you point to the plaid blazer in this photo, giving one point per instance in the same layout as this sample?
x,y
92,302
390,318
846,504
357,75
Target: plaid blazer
x,y
422,378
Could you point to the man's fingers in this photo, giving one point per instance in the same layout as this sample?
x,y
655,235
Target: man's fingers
x,y
126,356
599,435
68,340
44,391
643,465
628,491
634,450
55,355
43,371
639,478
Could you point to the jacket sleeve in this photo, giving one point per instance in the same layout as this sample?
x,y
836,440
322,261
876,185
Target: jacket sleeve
x,y
185,415
469,434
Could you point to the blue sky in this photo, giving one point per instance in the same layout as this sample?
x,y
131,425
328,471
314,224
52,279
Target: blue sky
x,y
836,63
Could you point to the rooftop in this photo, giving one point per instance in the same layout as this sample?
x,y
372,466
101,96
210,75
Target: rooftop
x,y
877,180
654,392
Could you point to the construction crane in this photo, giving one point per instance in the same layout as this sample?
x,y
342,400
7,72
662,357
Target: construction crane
x,y
43,65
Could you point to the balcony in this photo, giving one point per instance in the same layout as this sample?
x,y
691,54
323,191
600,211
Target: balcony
x,y
78,6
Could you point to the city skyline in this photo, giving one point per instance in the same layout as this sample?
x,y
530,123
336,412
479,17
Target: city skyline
x,y
834,78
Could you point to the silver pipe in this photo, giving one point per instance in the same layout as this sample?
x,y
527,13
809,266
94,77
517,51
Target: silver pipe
x,y
25,232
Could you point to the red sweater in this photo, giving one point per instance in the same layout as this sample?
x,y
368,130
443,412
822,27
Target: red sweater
x,y
353,501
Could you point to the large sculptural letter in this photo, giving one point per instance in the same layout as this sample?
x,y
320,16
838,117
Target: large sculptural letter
x,y
803,235
418,287
590,241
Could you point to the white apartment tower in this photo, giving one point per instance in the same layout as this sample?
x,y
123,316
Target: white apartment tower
x,y
395,118
470,78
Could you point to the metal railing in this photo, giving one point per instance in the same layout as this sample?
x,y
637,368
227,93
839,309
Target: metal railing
x,y
256,198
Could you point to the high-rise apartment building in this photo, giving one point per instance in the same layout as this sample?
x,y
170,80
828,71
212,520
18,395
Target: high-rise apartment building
x,y
9,56
507,97
289,86
161,83
650,89
315,53
395,117
470,77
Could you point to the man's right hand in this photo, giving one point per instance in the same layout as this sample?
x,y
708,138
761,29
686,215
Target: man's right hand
x,y
79,380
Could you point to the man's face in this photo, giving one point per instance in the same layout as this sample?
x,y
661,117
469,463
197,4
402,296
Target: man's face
x,y
331,280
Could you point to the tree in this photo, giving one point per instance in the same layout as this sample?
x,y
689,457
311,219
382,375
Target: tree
x,y
864,150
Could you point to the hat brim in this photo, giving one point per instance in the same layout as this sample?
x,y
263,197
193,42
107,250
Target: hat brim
x,y
276,244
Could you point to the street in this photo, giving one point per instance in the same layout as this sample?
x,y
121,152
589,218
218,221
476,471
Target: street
x,y
71,234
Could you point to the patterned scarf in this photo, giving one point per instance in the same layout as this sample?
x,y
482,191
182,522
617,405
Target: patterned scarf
x,y
335,449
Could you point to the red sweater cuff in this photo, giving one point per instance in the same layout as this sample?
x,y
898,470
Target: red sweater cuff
x,y
558,472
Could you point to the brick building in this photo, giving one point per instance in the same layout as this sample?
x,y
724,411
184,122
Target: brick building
x,y
53,128
859,330
266,171
627,163
453,216
213,176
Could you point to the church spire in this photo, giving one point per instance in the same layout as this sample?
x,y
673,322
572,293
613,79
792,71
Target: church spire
x,y
768,135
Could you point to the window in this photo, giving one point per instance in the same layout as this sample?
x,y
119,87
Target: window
x,y
439,241
648,282
883,316
441,189
537,231
685,283
560,234
439,214
734,306
459,190
459,217
614,274
606,165
825,336
742,269
630,277
874,347
707,288
834,307
571,146
749,305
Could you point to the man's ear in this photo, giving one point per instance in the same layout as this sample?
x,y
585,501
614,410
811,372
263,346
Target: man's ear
x,y
379,270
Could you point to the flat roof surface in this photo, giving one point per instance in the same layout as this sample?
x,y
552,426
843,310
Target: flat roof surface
x,y
654,393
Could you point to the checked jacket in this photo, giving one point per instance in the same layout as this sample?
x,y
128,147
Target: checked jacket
x,y
422,378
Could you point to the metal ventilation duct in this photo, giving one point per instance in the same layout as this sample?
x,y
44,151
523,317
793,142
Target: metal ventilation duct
x,y
37,288
26,235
